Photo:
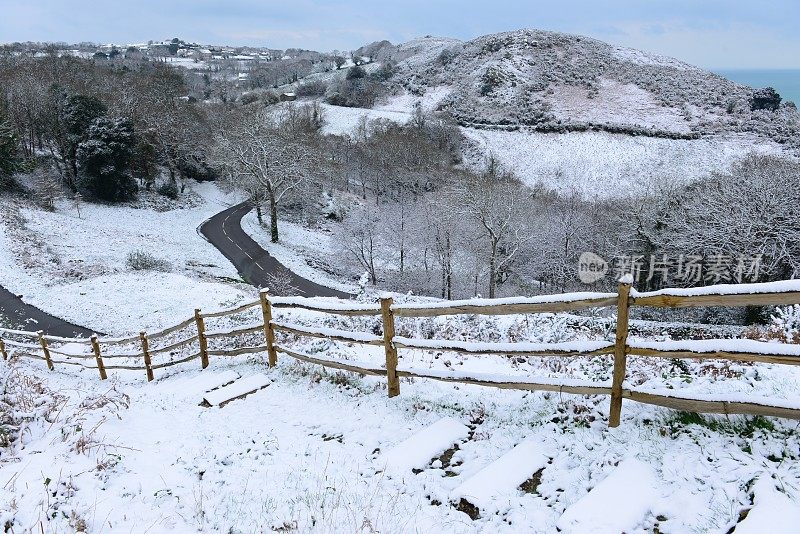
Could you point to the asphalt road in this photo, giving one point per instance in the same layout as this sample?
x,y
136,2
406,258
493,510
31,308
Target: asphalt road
x,y
224,231
22,316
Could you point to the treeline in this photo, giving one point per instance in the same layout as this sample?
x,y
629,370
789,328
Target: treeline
x,y
102,129
488,234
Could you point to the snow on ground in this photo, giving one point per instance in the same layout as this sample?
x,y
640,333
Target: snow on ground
x,y
397,108
618,503
305,453
129,302
75,267
602,164
773,512
308,452
406,102
616,103
296,244
416,451
341,120
491,488
647,58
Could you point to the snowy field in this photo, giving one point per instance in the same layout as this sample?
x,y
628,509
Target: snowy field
x,y
344,121
319,451
75,266
397,108
615,103
603,165
599,164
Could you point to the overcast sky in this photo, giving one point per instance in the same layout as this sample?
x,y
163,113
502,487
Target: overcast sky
x,y
708,33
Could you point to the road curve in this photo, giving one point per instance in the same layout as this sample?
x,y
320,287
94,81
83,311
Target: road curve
x,y
224,231
23,316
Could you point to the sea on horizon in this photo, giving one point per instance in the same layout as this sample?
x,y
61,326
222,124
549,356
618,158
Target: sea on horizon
x,y
785,81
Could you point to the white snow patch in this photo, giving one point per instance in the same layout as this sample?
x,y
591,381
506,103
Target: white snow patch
x,y
773,513
407,102
490,487
418,450
199,384
606,165
89,282
616,103
341,120
238,388
617,504
132,302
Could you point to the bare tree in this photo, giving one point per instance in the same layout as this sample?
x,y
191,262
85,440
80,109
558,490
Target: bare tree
x,y
360,236
257,153
281,282
751,212
497,203
442,228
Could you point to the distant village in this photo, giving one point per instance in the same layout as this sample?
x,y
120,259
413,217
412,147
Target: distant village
x,y
245,66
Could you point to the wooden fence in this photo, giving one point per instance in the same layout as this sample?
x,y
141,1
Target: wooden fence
x,y
778,293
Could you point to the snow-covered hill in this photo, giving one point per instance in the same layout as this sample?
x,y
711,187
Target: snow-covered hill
x,y
573,112
556,82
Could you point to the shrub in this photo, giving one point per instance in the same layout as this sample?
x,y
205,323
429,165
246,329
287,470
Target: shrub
x,y
312,88
197,168
270,97
140,260
355,93
490,80
766,98
385,72
281,283
356,72
248,98
168,189
786,323
446,56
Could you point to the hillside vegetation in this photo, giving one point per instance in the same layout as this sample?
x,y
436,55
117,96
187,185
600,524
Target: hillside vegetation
x,y
554,82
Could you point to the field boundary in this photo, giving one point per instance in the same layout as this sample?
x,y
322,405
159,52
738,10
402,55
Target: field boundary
x,y
98,353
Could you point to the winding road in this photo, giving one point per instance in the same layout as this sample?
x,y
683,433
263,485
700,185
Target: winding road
x,y
23,316
224,231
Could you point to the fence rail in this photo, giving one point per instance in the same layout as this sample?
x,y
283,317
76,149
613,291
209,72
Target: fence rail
x,y
777,293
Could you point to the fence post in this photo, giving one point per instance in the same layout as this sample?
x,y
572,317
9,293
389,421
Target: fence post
x,y
620,350
43,343
269,330
98,358
148,365
3,349
391,350
201,337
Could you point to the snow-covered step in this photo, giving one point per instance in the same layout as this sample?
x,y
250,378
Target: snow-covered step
x,y
198,385
773,512
417,451
617,504
236,390
492,488
206,382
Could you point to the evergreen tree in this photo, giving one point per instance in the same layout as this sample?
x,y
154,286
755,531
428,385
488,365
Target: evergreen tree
x,y
9,160
79,112
105,159
71,118
765,98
